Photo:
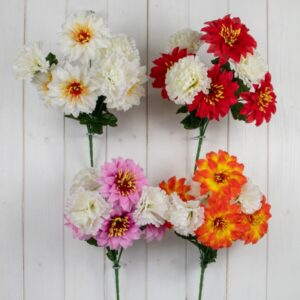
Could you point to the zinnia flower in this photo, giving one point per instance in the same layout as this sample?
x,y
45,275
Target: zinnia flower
x,y
30,61
118,231
82,35
220,175
257,223
87,179
228,38
220,97
155,233
122,182
185,79
162,64
222,226
260,104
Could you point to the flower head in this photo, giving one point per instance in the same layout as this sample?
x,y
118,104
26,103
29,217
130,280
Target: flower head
x,y
185,39
30,61
122,182
155,233
220,175
87,179
260,104
257,223
228,38
185,79
220,97
118,231
82,35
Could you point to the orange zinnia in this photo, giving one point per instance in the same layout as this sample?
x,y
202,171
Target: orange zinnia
x,y
220,175
222,226
257,223
177,186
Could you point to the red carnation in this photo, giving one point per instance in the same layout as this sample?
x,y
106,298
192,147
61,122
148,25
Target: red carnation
x,y
220,97
228,38
163,63
260,104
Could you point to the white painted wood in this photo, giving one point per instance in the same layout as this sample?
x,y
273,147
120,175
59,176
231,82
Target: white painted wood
x,y
11,155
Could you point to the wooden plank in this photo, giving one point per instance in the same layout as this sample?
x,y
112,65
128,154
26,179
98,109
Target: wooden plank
x,y
11,154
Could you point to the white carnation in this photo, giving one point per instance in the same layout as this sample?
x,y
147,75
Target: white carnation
x,y
152,207
87,210
251,69
87,179
185,79
186,216
30,61
186,38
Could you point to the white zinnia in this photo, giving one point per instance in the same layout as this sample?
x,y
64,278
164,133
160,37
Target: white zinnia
x,y
73,90
87,210
186,216
30,61
83,34
87,179
152,207
185,79
250,198
251,69
186,38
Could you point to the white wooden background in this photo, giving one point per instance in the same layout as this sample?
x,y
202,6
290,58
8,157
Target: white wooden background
x,y
40,152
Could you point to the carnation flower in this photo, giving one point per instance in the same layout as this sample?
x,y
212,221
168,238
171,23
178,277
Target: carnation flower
x,y
250,198
228,38
122,182
220,97
185,216
30,61
118,231
185,79
251,69
152,207
185,39
87,179
82,35
73,90
155,233
85,212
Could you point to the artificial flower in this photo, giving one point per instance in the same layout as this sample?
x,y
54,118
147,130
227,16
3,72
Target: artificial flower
x,y
162,65
222,226
30,61
118,231
220,175
73,89
122,182
185,39
185,79
155,233
260,104
228,38
82,35
220,97
174,185
152,207
257,223
87,179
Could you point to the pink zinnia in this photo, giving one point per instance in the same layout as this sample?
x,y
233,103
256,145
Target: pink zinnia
x,y
121,183
154,233
119,231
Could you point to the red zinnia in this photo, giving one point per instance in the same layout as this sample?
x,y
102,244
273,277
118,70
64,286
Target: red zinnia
x,y
260,104
220,97
164,63
228,38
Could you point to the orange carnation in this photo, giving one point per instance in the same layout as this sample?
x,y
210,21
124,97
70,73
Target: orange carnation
x,y
222,226
220,175
257,223
177,186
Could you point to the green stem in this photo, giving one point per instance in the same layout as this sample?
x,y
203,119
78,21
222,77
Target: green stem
x,y
117,282
116,267
90,136
201,281
202,129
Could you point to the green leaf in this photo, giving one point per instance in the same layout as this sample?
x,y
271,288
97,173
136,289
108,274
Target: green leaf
x,y
92,242
191,121
112,254
215,61
242,87
182,110
51,58
235,110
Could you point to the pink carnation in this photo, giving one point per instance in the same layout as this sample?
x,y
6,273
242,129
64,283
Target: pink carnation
x,y
154,233
119,231
121,183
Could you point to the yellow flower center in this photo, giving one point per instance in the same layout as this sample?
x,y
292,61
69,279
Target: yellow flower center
x,y
125,182
229,34
45,84
73,90
215,95
220,177
264,99
82,33
118,226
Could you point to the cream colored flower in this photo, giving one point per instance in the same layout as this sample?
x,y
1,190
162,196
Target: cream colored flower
x,y
87,179
30,61
186,38
185,79
82,36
